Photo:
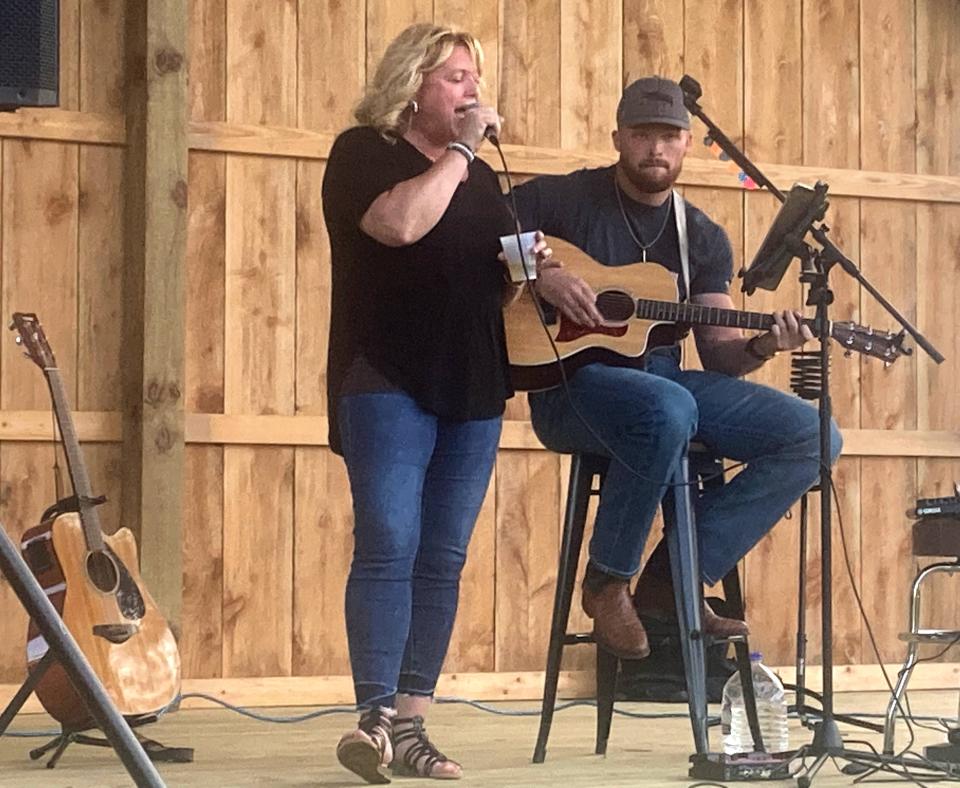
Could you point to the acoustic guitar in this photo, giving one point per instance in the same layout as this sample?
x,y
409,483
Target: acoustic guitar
x,y
641,311
93,581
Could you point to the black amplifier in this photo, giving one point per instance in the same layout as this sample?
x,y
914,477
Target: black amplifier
x,y
939,507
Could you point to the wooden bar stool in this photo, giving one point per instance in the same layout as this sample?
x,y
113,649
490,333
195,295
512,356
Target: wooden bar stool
x,y
586,478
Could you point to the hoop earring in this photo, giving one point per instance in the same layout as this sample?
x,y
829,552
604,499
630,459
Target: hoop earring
x,y
414,106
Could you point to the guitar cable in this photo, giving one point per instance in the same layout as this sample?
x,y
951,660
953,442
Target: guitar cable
x,y
529,282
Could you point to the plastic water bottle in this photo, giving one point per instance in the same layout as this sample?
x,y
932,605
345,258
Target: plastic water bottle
x,y
771,711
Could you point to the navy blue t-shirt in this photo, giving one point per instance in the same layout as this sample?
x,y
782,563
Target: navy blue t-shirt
x,y
582,208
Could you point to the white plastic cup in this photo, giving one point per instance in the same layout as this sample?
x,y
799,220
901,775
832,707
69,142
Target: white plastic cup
x,y
517,262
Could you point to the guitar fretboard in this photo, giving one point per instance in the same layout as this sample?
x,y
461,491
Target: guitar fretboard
x,y
699,314
89,518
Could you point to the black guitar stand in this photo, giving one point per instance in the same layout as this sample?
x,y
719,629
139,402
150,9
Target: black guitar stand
x,y
156,752
799,218
64,649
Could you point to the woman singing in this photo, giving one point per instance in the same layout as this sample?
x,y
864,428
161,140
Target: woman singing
x,y
417,374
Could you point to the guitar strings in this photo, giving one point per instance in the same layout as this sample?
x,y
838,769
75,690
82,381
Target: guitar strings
x,y
57,472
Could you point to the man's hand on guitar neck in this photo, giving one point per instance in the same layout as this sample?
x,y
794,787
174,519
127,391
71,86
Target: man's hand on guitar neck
x,y
789,332
727,350
568,293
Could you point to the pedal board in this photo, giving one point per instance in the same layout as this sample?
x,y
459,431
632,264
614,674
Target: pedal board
x,y
721,767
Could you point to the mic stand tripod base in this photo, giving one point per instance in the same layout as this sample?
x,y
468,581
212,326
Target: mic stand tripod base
x,y
826,738
827,743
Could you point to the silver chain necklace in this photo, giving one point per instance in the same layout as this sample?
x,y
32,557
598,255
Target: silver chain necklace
x,y
635,234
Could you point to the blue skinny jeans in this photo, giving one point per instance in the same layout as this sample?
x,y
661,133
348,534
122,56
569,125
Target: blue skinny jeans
x,y
648,417
417,482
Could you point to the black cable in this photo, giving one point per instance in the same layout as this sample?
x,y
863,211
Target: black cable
x,y
940,653
938,728
440,700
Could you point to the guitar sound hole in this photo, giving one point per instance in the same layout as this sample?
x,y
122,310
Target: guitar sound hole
x,y
616,306
102,572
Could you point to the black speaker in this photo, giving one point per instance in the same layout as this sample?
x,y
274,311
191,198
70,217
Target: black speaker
x,y
29,53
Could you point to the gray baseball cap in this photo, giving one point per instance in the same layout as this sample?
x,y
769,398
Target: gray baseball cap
x,y
653,100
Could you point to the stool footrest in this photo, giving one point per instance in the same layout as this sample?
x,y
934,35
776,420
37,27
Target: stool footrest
x,y
931,636
711,639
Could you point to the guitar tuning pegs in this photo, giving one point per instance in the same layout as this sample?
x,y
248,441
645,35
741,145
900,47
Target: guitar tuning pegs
x,y
18,339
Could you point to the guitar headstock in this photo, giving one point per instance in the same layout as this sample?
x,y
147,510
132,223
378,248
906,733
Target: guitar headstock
x,y
31,338
884,345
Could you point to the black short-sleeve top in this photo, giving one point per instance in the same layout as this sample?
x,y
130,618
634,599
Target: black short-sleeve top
x,y
428,316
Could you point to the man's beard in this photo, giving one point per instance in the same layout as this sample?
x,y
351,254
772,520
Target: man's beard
x,y
652,180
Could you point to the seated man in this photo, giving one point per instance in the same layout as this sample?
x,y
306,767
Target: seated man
x,y
625,213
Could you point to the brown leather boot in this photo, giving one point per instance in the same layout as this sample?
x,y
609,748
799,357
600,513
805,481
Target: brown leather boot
x,y
615,623
653,598
719,627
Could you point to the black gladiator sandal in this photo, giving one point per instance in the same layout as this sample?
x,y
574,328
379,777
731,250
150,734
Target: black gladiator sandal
x,y
368,749
416,754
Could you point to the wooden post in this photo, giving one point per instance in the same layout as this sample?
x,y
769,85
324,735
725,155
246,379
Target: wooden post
x,y
155,248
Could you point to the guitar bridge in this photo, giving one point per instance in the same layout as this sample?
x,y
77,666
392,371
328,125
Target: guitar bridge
x,y
115,633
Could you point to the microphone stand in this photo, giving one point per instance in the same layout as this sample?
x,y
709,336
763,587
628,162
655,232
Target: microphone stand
x,y
816,265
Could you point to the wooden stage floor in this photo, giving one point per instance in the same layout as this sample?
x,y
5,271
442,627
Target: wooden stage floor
x,y
232,750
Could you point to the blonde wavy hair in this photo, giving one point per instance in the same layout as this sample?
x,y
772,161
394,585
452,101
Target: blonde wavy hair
x,y
416,51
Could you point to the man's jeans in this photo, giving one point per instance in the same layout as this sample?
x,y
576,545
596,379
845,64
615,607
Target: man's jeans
x,y
648,417
418,483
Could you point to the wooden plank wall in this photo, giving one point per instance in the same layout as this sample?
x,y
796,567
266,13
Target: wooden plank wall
x,y
857,92
61,231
